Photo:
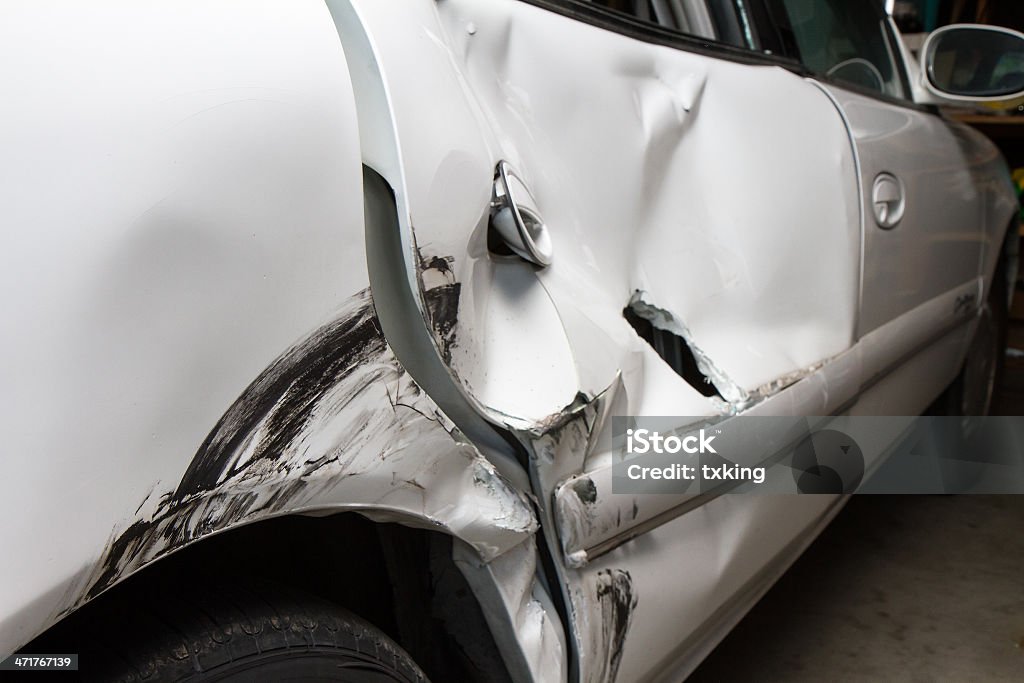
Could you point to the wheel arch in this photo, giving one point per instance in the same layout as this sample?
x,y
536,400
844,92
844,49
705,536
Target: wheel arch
x,y
1010,253
334,424
400,578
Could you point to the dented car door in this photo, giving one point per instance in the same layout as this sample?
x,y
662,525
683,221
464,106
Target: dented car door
x,y
404,262
699,187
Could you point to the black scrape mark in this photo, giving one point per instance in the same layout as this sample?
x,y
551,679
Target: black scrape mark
x,y
285,395
443,309
442,302
276,406
441,265
586,490
171,527
616,602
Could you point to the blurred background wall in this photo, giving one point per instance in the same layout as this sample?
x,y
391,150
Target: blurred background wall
x,y
915,16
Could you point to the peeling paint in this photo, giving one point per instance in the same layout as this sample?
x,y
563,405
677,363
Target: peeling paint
x,y
576,515
736,397
440,292
788,379
554,422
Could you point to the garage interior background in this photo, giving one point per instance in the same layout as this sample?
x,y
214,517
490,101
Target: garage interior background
x,y
916,18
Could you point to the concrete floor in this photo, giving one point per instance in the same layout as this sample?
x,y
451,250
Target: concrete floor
x,y
898,588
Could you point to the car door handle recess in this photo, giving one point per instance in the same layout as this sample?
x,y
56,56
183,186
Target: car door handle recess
x,y
517,219
888,199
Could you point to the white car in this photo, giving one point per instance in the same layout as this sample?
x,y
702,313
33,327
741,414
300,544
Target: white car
x,y
323,309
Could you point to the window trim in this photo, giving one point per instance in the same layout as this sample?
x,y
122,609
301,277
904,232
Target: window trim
x,y
892,42
623,24
769,9
626,25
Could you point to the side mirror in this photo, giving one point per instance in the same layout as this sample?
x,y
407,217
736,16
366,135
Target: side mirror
x,y
966,63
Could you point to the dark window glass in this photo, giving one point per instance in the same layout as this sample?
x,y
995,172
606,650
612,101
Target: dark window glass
x,y
685,16
846,40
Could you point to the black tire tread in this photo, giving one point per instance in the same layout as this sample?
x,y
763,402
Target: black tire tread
x,y
193,637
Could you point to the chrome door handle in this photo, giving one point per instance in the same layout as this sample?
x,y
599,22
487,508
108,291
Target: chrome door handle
x,y
889,200
517,219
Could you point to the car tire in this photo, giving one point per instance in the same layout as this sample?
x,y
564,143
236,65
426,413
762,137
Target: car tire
x,y
241,633
974,392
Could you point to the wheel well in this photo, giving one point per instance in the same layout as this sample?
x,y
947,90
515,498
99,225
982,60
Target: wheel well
x,y
1010,253
400,579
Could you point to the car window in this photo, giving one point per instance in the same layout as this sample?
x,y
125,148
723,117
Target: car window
x,y
685,16
846,40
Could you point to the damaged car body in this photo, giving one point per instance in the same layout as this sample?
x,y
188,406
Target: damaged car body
x,y
406,260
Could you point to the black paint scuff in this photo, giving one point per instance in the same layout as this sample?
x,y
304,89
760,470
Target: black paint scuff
x,y
616,601
285,395
441,294
319,379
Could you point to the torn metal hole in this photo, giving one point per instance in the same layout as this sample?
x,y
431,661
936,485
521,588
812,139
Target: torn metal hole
x,y
674,350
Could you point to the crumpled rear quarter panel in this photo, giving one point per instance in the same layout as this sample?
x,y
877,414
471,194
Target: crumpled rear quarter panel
x,y
190,341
